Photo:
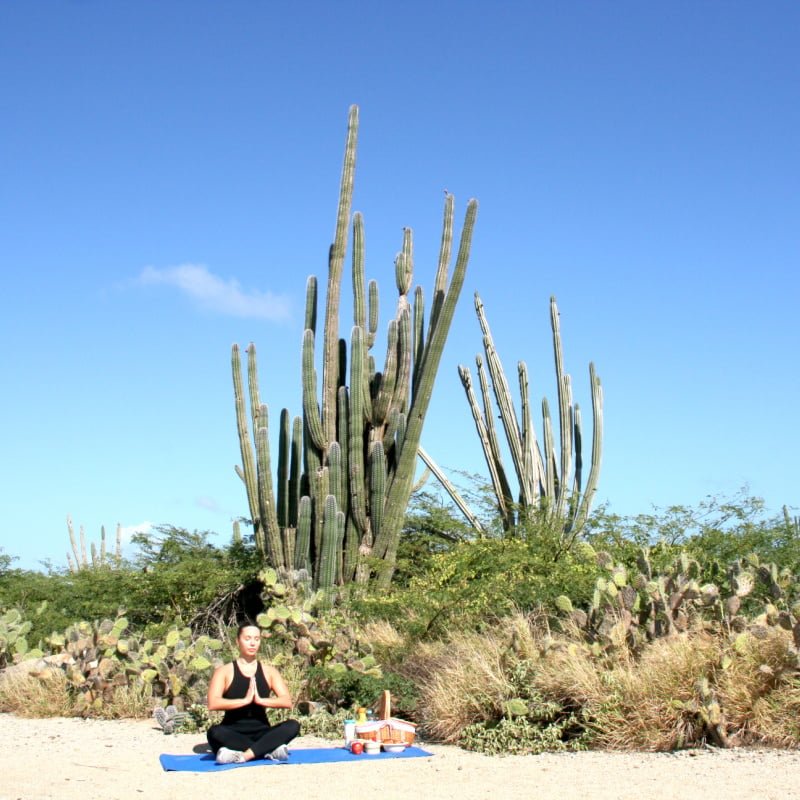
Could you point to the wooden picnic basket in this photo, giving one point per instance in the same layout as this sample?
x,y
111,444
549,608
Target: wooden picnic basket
x,y
386,728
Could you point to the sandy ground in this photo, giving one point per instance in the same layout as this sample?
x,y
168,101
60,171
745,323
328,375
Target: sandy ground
x,y
72,759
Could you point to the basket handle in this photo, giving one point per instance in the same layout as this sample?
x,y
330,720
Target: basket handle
x,y
383,706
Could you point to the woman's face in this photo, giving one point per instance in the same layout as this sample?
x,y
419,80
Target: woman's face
x,y
249,640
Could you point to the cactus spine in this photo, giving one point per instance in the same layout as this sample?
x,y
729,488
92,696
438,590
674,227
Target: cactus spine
x,y
547,481
358,442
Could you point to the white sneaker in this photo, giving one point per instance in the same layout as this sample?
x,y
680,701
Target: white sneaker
x,y
279,753
226,756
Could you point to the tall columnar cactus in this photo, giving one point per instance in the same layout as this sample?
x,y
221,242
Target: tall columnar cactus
x,y
547,481
792,523
345,472
99,558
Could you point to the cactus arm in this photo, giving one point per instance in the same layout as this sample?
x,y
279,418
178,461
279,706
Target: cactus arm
x,y
597,448
310,405
102,544
401,386
82,537
311,460
311,304
404,264
452,491
326,573
377,486
445,252
372,322
330,366
529,474
302,546
562,487
336,474
341,525
359,296
550,465
284,455
252,384
342,372
266,496
294,471
418,339
564,405
503,396
400,433
356,443
343,436
508,500
74,544
577,438
350,555
400,487
383,398
118,545
247,472
390,431
500,485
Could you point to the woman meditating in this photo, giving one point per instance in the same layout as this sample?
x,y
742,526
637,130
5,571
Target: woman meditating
x,y
242,690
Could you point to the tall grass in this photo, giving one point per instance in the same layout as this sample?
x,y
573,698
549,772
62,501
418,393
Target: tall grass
x,y
468,676
649,702
36,696
47,694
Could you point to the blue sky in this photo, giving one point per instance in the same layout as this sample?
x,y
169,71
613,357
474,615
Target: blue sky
x,y
169,181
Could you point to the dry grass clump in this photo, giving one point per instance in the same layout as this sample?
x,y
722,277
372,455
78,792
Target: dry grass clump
x,y
467,677
654,702
387,643
759,690
635,704
776,717
381,633
31,696
134,701
679,691
47,694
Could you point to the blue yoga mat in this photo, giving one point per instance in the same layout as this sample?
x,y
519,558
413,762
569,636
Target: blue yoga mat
x,y
307,755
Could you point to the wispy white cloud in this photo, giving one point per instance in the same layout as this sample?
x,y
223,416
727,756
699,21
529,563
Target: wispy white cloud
x,y
213,293
207,503
129,530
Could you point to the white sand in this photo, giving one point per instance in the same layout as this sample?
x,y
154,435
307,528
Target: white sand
x,y
95,760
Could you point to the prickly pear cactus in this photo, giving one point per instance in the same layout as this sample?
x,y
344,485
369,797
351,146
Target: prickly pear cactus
x,y
630,610
14,630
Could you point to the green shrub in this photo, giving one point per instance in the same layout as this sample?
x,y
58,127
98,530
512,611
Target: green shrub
x,y
177,577
478,581
523,736
348,689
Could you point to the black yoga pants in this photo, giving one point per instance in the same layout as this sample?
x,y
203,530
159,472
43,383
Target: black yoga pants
x,y
260,742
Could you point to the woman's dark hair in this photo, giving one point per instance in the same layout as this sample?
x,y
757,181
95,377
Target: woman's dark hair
x,y
248,623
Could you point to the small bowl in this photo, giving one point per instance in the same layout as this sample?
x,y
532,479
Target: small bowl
x,y
394,747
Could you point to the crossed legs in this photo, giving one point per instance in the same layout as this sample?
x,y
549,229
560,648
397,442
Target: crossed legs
x,y
255,745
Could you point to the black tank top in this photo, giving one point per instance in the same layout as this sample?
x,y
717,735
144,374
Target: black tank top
x,y
238,689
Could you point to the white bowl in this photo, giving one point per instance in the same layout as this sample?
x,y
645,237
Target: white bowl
x,y
394,747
